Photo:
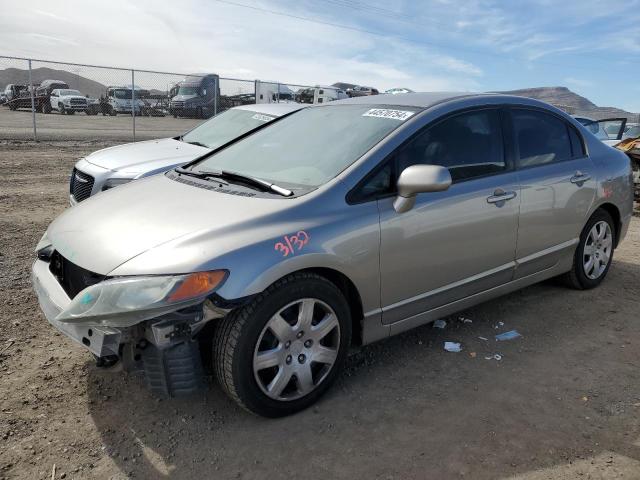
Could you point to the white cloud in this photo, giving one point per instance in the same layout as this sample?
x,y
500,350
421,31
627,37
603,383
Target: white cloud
x,y
204,36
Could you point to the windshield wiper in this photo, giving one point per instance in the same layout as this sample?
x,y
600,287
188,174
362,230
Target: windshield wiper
x,y
227,175
272,187
199,144
191,173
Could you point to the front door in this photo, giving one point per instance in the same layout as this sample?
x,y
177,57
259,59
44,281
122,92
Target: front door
x,y
453,243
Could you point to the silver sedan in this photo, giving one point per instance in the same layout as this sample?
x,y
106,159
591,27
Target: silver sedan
x,y
340,224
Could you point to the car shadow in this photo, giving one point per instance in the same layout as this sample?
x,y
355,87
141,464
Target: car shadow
x,y
568,388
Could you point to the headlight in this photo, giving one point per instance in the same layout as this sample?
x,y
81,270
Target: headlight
x,y
44,248
126,301
114,182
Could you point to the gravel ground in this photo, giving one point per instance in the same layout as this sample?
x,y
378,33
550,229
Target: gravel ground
x,y
18,125
563,402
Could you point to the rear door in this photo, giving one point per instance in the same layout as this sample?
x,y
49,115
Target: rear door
x,y
558,187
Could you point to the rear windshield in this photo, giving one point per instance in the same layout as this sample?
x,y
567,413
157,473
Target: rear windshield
x,y
225,127
310,147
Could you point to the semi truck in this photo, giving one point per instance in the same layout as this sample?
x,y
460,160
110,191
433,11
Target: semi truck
x,y
198,96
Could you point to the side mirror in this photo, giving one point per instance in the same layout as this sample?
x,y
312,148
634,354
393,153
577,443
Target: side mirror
x,y
419,179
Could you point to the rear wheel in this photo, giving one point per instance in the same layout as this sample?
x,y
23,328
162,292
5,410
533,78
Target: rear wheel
x,y
594,253
46,108
281,352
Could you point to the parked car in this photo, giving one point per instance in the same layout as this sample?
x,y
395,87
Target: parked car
x,y
360,91
608,130
197,96
113,166
66,101
299,241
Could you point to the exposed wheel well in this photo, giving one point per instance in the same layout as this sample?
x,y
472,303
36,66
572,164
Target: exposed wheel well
x,y
352,295
612,210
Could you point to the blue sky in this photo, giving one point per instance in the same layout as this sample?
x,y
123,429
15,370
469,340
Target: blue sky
x,y
590,46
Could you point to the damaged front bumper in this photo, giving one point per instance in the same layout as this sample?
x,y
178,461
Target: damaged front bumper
x,y
101,341
164,348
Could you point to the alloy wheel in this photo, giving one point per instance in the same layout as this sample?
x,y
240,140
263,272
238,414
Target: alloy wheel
x,y
597,250
296,349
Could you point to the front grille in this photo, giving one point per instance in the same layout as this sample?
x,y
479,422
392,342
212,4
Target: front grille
x,y
78,101
70,276
177,104
81,185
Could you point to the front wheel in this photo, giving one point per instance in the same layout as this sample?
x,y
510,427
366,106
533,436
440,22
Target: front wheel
x,y
281,352
594,253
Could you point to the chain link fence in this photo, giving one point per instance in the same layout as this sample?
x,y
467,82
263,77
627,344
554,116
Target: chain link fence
x,y
45,100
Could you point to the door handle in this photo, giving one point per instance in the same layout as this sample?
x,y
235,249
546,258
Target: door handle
x,y
579,178
500,196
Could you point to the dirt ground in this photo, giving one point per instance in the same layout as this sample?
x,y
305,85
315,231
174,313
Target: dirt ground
x,y
563,402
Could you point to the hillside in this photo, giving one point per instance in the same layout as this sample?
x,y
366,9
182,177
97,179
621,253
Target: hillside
x,y
573,103
86,86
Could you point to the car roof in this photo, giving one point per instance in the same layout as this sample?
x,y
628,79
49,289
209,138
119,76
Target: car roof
x,y
421,100
277,109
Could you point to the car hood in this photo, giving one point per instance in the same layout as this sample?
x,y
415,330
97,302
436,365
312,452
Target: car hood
x,y
107,230
142,157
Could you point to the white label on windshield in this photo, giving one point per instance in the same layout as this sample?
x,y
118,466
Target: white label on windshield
x,y
401,115
262,118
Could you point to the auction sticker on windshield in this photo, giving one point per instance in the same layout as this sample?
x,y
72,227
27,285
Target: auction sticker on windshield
x,y
262,118
401,115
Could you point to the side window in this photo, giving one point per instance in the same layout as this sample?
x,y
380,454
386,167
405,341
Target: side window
x,y
469,145
577,147
541,138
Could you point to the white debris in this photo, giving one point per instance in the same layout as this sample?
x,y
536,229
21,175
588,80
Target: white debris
x,y
439,324
483,338
465,320
496,356
452,347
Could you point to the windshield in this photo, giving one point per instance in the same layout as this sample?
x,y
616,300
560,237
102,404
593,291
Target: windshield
x,y
69,92
122,94
225,127
632,132
187,90
310,147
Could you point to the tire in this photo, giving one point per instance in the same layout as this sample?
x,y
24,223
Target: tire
x,y
242,334
61,109
580,276
70,112
112,112
46,108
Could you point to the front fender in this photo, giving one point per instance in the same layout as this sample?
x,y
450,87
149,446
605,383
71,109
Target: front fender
x,y
259,254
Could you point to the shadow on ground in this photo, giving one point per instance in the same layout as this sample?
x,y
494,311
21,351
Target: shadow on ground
x,y
564,393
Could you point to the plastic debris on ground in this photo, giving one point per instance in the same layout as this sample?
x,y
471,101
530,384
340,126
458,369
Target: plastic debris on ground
x,y
472,354
510,335
500,324
465,320
483,338
496,356
452,347
439,324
